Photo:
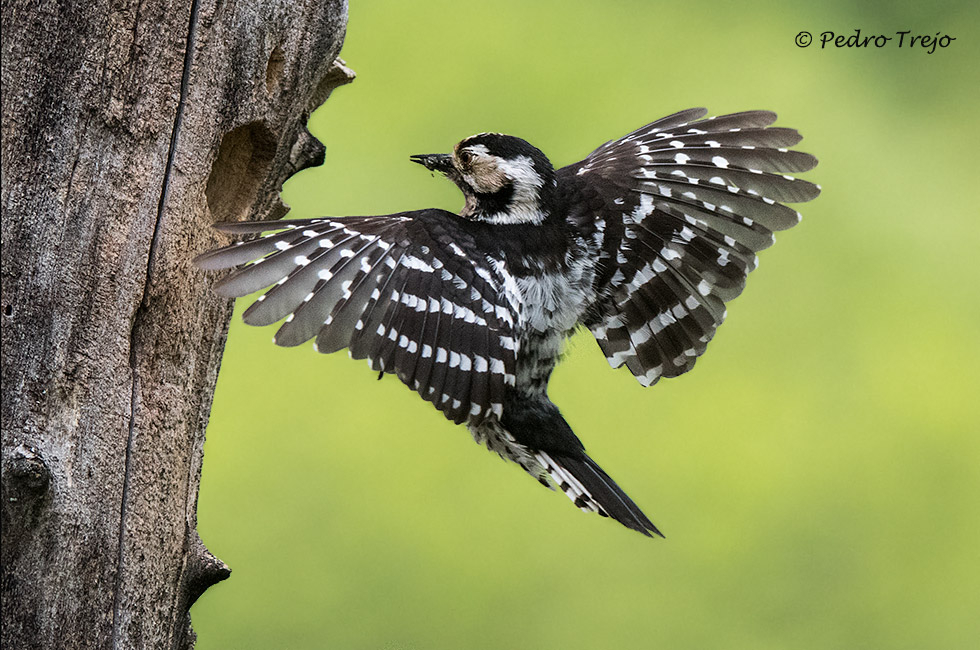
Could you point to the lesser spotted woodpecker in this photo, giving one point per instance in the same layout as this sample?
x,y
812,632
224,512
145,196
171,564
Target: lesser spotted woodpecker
x,y
642,242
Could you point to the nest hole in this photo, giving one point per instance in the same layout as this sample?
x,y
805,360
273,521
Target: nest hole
x,y
238,172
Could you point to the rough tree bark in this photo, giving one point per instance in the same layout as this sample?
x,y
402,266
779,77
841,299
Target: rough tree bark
x,y
128,128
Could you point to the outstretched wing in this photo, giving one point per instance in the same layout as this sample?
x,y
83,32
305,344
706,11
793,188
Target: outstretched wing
x,y
679,209
408,292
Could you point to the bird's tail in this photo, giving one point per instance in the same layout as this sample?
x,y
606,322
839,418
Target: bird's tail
x,y
592,490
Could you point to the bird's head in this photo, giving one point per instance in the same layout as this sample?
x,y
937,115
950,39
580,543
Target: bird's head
x,y
504,179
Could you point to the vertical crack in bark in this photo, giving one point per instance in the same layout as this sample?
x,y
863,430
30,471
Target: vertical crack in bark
x,y
141,310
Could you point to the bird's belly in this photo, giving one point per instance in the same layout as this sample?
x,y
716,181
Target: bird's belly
x,y
552,305
555,301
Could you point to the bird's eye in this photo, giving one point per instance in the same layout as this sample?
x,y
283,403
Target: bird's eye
x,y
465,157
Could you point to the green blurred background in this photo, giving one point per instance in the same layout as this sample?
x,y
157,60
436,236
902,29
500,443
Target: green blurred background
x,y
817,475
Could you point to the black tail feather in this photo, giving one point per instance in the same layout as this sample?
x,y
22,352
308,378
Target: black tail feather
x,y
601,494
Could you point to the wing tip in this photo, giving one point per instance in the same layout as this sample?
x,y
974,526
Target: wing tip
x,y
211,260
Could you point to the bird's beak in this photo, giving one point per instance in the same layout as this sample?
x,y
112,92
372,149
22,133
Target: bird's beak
x,y
437,162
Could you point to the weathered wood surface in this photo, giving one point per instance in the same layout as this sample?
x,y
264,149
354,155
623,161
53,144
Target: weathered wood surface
x,y
128,128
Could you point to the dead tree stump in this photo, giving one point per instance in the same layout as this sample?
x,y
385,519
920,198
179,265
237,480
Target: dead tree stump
x,y
128,129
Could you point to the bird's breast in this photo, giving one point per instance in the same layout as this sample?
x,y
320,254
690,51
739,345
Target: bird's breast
x,y
554,299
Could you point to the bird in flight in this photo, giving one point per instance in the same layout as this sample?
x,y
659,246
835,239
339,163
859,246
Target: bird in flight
x,y
642,243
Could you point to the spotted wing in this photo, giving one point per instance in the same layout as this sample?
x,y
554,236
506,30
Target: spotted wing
x,y
678,210
408,292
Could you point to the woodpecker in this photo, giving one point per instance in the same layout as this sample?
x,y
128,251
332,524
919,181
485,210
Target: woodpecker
x,y
642,243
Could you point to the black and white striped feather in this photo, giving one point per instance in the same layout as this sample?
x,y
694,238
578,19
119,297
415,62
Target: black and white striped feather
x,y
408,292
680,207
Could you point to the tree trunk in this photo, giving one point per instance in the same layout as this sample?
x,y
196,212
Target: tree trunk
x,y
128,128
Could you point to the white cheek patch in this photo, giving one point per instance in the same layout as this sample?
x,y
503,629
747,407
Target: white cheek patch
x,y
521,171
